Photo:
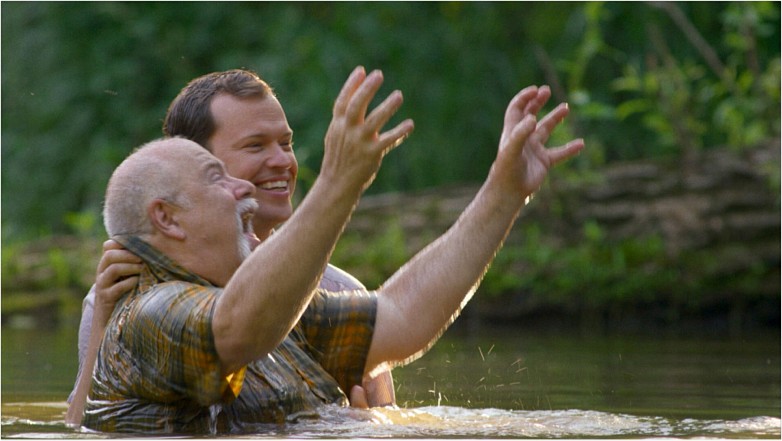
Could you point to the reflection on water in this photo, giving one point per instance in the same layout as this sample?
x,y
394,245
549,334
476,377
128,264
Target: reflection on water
x,y
488,385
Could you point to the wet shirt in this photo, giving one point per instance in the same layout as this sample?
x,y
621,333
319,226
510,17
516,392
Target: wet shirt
x,y
158,370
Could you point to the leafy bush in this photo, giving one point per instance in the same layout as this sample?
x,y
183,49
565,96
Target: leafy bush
x,y
592,273
103,73
373,260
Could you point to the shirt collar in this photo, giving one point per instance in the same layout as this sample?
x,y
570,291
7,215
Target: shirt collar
x,y
160,266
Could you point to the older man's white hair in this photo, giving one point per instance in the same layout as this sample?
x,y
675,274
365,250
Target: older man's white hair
x,y
149,173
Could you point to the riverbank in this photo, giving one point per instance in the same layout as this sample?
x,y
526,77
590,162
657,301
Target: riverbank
x,y
637,245
632,246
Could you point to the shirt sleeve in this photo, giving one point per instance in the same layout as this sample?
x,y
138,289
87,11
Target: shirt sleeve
x,y
338,327
335,279
172,342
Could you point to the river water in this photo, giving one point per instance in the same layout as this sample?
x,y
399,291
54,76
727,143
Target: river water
x,y
506,383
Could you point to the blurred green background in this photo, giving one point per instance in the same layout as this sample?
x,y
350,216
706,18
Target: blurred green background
x,y
83,83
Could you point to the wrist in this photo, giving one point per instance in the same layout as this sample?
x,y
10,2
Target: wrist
x,y
102,312
507,191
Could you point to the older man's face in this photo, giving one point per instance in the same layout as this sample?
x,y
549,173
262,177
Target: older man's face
x,y
219,215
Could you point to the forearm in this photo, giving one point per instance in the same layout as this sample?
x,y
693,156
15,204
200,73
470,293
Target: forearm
x,y
267,295
380,390
85,323
84,382
426,294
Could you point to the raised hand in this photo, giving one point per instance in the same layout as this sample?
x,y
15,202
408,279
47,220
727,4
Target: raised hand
x,y
523,161
354,144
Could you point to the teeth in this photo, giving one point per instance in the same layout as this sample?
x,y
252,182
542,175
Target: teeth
x,y
274,185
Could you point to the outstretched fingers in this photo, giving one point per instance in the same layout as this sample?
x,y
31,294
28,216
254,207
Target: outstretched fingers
x,y
543,132
380,116
528,134
348,89
354,139
521,132
562,153
393,138
383,112
528,101
537,102
516,108
523,159
359,102
549,122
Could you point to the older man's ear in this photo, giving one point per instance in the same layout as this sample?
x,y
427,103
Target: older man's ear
x,y
163,217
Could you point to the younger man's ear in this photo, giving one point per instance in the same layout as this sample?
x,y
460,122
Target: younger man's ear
x,y
164,219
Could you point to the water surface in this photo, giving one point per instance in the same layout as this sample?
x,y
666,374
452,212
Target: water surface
x,y
488,384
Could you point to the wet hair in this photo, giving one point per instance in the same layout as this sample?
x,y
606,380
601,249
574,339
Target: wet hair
x,y
190,116
150,172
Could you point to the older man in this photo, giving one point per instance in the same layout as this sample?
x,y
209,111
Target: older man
x,y
179,345
412,307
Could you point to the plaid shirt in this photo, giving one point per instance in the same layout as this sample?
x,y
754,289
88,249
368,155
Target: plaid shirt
x,y
158,370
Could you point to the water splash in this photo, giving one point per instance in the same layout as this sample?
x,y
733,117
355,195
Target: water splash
x,y
26,420
458,422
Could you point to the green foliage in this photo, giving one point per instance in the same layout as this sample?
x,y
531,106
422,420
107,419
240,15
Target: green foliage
x,y
694,101
59,264
592,274
83,224
373,260
9,257
65,263
86,82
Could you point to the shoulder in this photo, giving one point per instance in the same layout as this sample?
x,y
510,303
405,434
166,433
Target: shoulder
x,y
177,298
335,279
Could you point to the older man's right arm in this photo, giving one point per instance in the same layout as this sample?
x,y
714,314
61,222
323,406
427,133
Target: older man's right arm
x,y
253,316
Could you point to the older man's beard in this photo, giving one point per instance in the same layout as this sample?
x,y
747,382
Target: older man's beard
x,y
246,234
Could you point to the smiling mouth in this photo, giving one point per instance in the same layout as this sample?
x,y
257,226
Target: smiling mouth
x,y
275,186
